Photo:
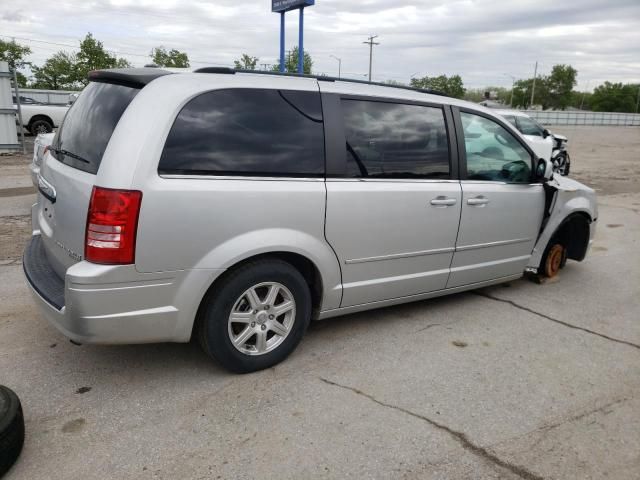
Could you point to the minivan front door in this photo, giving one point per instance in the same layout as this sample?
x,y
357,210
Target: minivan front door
x,y
502,207
392,215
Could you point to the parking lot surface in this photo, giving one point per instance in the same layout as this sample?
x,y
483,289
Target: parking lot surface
x,y
522,380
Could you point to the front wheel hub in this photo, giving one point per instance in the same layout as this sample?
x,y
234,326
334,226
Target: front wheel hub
x,y
554,260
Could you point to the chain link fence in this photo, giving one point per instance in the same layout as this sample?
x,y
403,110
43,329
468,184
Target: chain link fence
x,y
559,117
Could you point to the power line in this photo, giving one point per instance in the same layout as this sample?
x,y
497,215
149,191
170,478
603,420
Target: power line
x,y
110,50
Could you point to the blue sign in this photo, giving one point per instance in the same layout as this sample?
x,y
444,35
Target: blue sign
x,y
286,5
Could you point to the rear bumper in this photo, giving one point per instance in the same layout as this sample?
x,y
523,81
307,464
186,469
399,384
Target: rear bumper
x,y
107,304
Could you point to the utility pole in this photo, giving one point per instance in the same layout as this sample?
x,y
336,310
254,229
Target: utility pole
x,y
584,94
339,64
533,87
19,105
371,43
513,82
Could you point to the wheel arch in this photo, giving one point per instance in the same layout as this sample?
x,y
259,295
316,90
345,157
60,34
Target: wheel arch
x,y
574,233
42,117
307,268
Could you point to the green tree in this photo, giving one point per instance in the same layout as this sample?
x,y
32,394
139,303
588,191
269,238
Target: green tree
x,y
57,73
615,97
559,85
522,93
173,58
451,86
93,56
581,100
14,54
394,83
291,62
246,62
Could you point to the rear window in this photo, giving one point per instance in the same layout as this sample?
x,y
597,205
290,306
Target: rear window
x,y
249,132
89,123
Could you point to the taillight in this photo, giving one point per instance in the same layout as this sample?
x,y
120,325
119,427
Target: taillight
x,y
112,223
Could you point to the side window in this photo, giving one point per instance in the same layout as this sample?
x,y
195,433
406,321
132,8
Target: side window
x,y
492,152
392,140
251,132
529,127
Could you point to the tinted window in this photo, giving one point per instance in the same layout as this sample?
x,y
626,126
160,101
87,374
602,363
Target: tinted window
x,y
391,140
247,132
493,153
89,123
529,127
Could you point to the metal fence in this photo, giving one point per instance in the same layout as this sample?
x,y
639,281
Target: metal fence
x,y
559,117
8,131
54,97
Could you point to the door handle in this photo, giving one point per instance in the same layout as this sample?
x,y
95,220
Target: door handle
x,y
442,201
478,201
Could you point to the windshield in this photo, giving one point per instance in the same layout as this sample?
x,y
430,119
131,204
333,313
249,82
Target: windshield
x,y
89,123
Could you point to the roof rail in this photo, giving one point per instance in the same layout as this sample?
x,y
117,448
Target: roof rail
x,y
321,78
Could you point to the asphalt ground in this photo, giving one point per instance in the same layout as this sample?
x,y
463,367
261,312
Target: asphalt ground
x,y
521,380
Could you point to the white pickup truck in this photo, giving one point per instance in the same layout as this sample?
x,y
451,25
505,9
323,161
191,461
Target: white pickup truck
x,y
40,118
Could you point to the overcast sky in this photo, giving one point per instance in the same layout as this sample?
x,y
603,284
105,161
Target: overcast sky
x,y
483,41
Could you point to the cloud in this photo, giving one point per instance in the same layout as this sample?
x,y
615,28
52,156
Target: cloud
x,y
482,40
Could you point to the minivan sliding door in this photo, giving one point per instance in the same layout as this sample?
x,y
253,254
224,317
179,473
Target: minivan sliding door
x,y
393,201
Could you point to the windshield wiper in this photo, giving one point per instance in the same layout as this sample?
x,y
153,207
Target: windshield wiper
x,y
67,153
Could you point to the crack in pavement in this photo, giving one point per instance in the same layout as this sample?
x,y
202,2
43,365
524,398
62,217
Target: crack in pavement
x,y
428,327
546,428
460,437
580,416
561,322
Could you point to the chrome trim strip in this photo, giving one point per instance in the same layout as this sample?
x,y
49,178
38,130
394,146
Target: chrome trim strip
x,y
240,177
399,255
496,182
391,180
492,244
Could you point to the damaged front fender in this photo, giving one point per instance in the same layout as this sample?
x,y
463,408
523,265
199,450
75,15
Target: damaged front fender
x,y
566,198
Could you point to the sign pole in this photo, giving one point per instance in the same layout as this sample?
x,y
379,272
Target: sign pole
x,y
281,7
301,42
282,42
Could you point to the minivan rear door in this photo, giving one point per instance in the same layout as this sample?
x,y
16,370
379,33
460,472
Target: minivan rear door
x,y
393,201
69,169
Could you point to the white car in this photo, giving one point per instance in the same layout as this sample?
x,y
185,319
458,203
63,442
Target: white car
x,y
40,118
540,139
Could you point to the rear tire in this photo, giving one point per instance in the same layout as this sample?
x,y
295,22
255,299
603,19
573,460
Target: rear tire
x,y
257,335
40,126
11,429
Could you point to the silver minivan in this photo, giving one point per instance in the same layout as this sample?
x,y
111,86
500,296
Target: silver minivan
x,y
235,207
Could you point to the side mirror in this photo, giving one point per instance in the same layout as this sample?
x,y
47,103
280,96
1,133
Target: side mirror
x,y
544,170
546,133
